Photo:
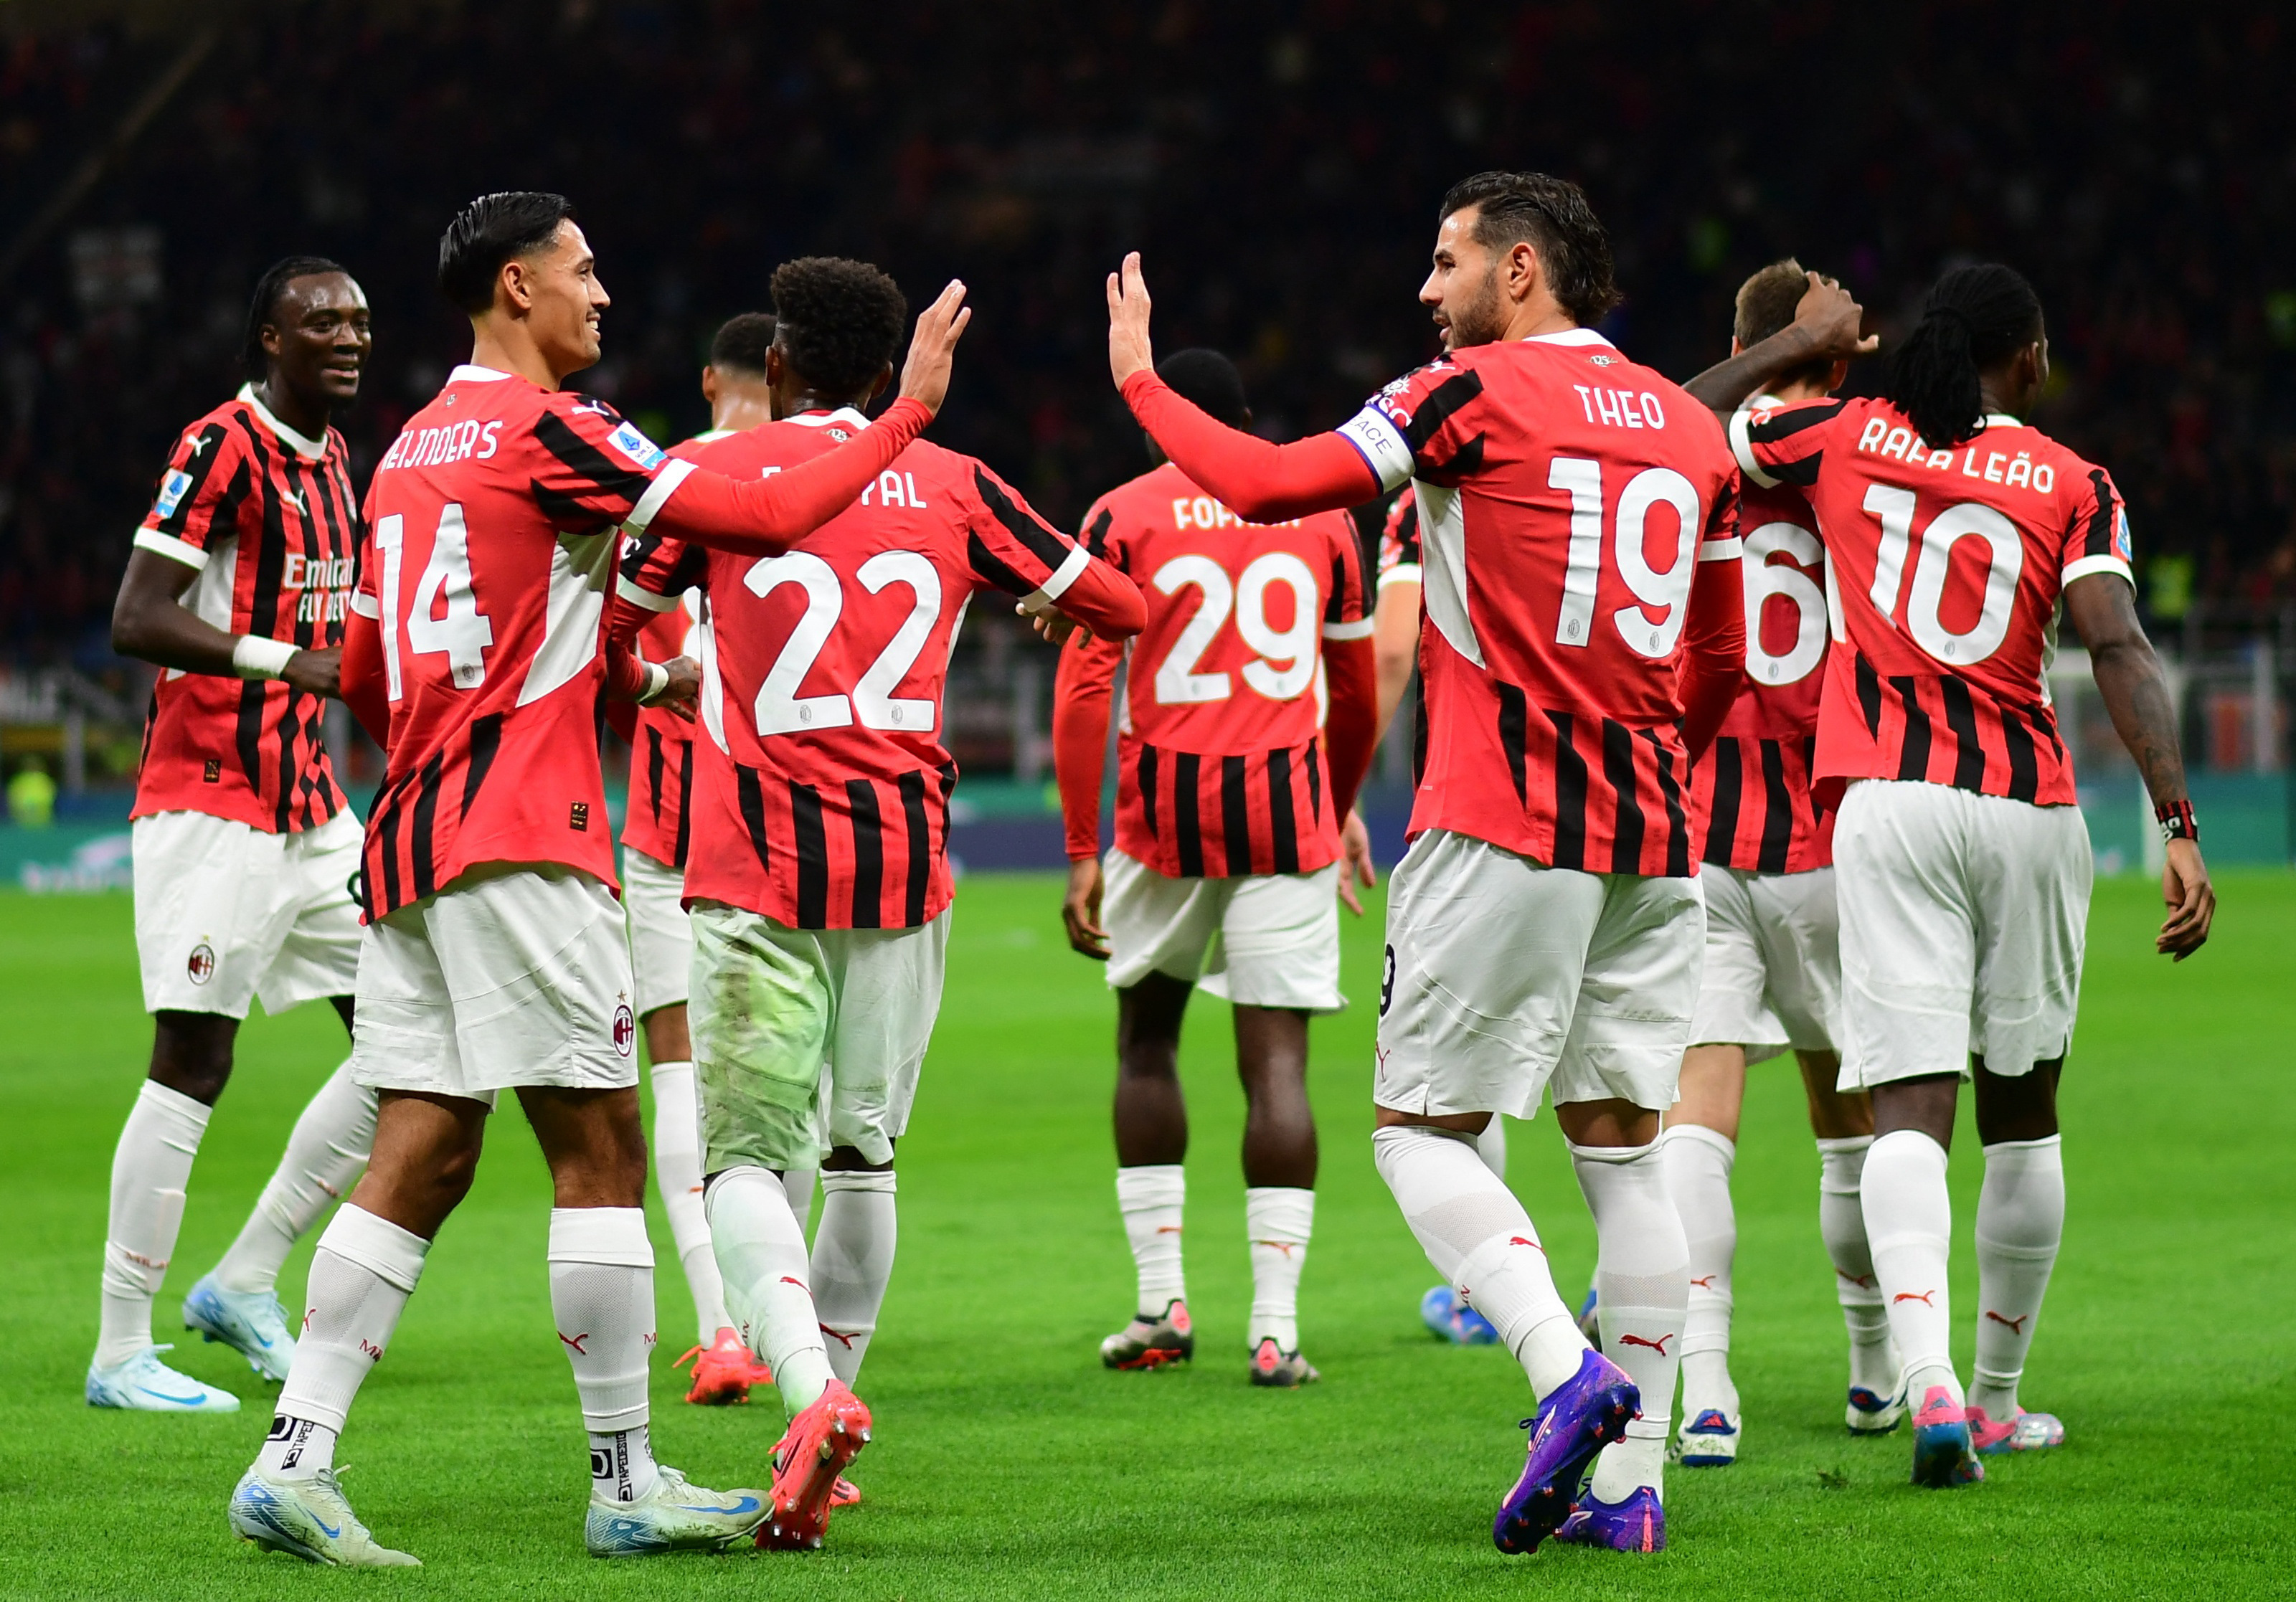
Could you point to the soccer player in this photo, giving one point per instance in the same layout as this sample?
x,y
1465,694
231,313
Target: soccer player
x,y
818,878
244,846
1230,788
1953,533
1772,979
656,834
492,956
1584,636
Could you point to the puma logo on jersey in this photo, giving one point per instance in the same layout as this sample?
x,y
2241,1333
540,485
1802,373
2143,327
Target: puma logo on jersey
x,y
294,498
2016,1325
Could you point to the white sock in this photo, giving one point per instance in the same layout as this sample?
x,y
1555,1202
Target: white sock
x,y
852,1262
150,1169
1697,1161
1479,1239
622,1468
1909,1229
1491,1146
324,1156
1642,1282
602,1296
2021,1218
1152,1198
797,1184
363,1270
761,1252
1874,1364
1277,1221
678,1172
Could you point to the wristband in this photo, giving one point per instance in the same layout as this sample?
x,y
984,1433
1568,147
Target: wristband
x,y
657,681
253,656
2177,823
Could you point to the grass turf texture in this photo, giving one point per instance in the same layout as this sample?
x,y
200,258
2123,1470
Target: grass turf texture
x,y
1008,1464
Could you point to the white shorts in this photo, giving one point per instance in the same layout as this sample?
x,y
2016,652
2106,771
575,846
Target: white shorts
x,y
516,974
1505,978
772,1004
661,941
1260,939
226,913
1963,920
1772,974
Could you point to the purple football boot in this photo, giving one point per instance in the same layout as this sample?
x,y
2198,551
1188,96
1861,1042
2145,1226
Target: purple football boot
x,y
1637,1524
1580,1417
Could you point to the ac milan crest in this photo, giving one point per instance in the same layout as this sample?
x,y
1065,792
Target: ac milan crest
x,y
201,964
626,1030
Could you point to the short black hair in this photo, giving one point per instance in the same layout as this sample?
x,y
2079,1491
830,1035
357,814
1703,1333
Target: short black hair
x,y
1209,380
741,343
1765,306
838,322
263,306
1553,214
490,231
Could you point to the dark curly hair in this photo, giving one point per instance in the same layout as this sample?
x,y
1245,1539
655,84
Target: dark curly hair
x,y
741,343
1973,318
263,306
838,323
1551,213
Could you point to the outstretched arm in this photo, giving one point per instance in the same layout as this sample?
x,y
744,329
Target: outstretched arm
x,y
2103,607
1824,329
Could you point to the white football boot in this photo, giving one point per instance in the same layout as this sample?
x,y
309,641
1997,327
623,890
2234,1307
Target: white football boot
x,y
674,1516
310,1519
144,1383
252,1323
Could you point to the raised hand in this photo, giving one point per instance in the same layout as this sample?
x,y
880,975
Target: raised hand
x,y
932,350
1128,349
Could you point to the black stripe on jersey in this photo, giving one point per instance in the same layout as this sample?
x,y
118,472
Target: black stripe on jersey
x,y
750,796
247,737
1236,815
655,767
290,727
1722,821
684,807
868,855
1618,769
1314,781
1785,425
486,739
2045,725
2098,541
1419,722
912,787
1187,829
989,566
1961,718
1869,696
1407,533
1095,537
1035,535
1514,736
422,844
637,552
386,848
1438,409
1570,778
1147,779
1777,811
1914,752
203,463
1465,460
1281,822
586,462
1337,600
812,856
1677,824
2024,770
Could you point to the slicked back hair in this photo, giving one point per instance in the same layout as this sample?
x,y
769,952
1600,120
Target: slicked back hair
x,y
1209,382
838,322
1767,303
1553,214
263,306
741,343
490,231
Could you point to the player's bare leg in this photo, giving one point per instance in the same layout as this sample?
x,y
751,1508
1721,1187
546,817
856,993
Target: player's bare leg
x,y
1279,1177
1698,1151
1151,1188
2020,1216
1842,1122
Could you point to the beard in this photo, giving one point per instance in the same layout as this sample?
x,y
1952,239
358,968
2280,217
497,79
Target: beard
x,y
1481,320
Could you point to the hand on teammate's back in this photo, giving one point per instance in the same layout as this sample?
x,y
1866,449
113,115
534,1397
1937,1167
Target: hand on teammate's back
x,y
1080,909
315,670
1831,316
1128,349
2192,902
682,694
932,350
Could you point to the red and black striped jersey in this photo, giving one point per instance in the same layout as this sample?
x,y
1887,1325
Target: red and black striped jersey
x,y
492,525
1399,541
268,522
655,819
822,791
1944,567
1750,789
1574,511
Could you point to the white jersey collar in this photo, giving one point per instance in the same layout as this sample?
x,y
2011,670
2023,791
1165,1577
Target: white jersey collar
x,y
821,419
1568,336
469,373
2002,420
309,450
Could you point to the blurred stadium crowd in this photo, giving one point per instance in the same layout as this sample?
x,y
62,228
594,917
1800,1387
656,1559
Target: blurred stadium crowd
x,y
1278,164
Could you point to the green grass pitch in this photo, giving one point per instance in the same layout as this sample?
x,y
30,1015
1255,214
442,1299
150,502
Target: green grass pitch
x,y
1008,1464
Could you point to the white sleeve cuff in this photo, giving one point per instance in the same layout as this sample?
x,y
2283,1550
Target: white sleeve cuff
x,y
657,681
1402,573
2084,566
1721,550
1380,444
674,472
1359,629
639,595
1742,447
366,605
253,656
169,546
1072,569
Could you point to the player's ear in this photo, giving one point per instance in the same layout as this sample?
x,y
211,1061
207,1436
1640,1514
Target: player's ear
x,y
709,385
884,377
1522,269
